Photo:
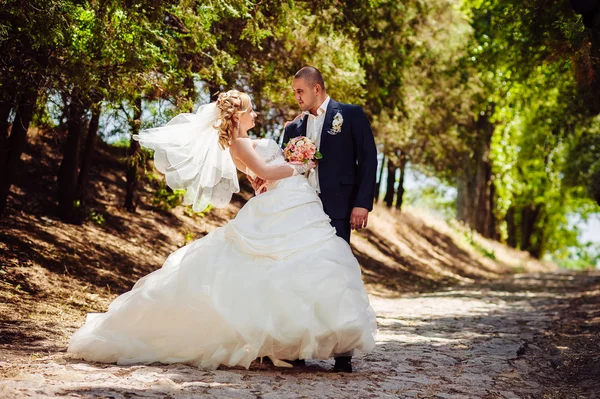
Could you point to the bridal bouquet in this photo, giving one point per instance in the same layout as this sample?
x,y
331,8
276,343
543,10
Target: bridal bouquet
x,y
301,150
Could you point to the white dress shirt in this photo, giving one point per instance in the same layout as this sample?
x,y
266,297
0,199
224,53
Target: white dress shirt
x,y
314,127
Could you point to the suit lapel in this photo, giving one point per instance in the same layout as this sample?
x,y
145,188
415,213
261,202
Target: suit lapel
x,y
332,109
303,125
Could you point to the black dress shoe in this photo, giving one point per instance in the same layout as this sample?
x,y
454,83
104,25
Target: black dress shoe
x,y
343,365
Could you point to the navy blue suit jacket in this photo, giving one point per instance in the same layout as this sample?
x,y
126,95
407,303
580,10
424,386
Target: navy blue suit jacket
x,y
348,170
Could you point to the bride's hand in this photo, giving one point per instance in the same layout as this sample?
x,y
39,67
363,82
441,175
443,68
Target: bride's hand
x,y
263,187
288,122
257,184
301,167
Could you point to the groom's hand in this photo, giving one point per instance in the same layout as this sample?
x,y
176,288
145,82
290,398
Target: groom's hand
x,y
359,218
263,187
259,185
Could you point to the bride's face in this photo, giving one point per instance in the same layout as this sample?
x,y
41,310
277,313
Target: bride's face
x,y
247,119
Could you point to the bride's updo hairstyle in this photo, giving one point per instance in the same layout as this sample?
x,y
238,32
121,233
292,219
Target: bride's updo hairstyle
x,y
231,103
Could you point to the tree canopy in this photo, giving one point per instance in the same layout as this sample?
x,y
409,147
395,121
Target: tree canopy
x,y
498,98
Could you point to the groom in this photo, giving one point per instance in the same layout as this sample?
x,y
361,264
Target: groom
x,y
345,177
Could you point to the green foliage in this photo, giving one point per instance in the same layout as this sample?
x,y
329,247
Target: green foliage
x,y
96,217
480,248
583,162
31,32
585,256
167,199
429,75
191,213
189,237
122,142
434,197
300,36
417,93
529,150
522,55
464,232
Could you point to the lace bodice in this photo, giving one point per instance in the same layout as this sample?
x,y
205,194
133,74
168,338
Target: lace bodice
x,y
269,150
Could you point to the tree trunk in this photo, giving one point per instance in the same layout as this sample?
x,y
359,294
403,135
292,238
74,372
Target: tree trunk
x,y
464,198
5,109
378,184
537,244
475,200
14,145
68,171
88,153
493,232
131,199
391,179
593,186
591,88
529,216
400,193
483,182
382,184
63,125
511,227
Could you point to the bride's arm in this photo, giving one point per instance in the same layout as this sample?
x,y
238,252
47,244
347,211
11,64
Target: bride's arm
x,y
242,150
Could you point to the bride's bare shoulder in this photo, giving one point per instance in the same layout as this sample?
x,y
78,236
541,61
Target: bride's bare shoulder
x,y
240,143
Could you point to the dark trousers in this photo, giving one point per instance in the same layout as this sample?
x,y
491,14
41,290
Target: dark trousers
x,y
342,228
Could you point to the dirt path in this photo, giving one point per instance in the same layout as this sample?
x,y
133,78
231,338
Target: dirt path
x,y
484,341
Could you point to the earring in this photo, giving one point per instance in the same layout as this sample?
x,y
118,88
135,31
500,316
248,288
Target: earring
x,y
238,127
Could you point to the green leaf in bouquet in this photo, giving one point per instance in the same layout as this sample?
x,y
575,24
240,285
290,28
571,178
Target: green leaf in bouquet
x,y
318,155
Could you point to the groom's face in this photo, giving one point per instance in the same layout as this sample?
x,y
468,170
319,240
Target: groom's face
x,y
305,94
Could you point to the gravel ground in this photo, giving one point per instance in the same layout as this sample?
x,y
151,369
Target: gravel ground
x,y
476,341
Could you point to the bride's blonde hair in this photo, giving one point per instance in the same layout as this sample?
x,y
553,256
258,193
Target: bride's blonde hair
x,y
231,103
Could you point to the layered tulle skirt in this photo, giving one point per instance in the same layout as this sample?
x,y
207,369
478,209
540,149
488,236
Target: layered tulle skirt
x,y
274,282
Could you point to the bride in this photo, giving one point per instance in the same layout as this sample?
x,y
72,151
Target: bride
x,y
274,282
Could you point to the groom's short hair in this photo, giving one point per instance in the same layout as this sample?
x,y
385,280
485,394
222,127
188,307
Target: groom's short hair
x,y
312,75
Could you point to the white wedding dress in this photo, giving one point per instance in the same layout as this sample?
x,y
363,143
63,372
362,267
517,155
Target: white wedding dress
x,y
273,282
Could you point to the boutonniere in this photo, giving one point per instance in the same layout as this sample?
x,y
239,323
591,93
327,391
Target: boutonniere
x,y
336,125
